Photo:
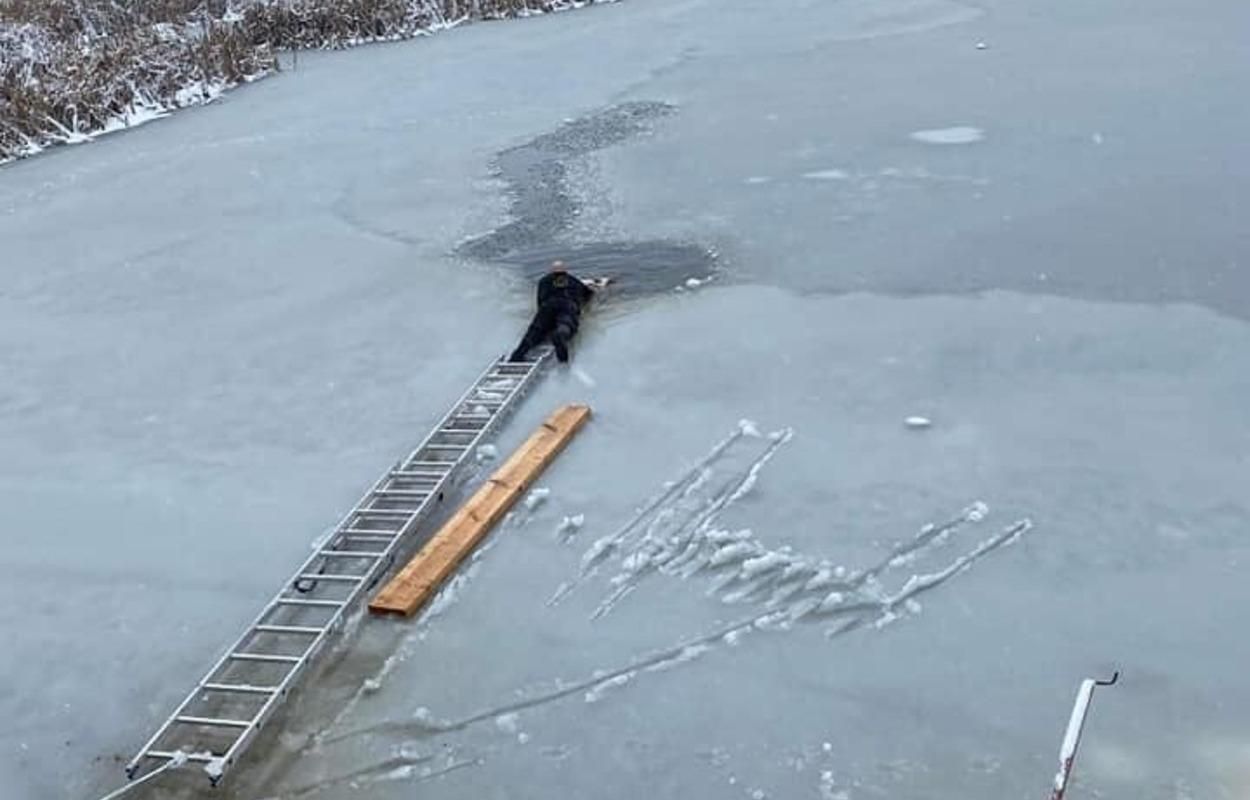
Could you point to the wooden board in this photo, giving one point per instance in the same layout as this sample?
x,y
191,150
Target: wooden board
x,y
420,578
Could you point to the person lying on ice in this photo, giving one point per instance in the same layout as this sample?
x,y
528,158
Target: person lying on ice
x,y
560,300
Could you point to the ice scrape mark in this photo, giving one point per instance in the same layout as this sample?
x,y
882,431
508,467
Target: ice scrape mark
x,y
681,537
957,135
676,534
603,548
873,607
400,767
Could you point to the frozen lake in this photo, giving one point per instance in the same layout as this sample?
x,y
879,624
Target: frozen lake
x,y
1023,222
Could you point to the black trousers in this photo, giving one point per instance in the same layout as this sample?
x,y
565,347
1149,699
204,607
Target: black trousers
x,y
555,321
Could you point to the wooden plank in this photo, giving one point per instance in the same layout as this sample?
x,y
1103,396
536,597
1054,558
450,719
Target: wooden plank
x,y
420,578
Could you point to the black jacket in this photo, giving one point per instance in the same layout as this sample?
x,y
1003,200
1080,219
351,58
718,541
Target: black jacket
x,y
561,288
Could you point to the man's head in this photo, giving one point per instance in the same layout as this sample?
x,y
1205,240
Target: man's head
x,y
556,266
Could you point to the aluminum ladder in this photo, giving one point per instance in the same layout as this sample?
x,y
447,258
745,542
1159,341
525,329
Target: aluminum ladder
x,y
221,716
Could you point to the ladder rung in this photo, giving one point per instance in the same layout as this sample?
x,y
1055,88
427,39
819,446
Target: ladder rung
x,y
313,576
448,464
301,629
383,512
367,537
240,688
460,430
213,721
446,447
483,417
406,510
300,601
170,755
270,657
351,553
400,493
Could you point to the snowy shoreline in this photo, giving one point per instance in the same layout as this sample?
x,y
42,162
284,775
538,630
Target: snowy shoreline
x,y
147,67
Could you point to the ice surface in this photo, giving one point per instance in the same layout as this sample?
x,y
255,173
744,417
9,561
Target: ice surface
x,y
827,175
191,395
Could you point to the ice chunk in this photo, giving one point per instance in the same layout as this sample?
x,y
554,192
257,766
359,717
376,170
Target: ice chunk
x,y
917,422
827,175
733,552
536,498
215,768
508,723
748,428
820,580
802,608
569,526
596,694
831,601
961,134
487,452
768,562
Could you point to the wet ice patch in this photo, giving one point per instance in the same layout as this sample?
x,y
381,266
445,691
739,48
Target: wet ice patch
x,y
544,207
959,134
